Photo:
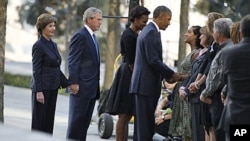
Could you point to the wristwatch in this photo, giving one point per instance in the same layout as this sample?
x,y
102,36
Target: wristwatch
x,y
163,117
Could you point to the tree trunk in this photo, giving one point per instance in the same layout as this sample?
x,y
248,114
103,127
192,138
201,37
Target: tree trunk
x,y
113,37
184,22
70,29
3,17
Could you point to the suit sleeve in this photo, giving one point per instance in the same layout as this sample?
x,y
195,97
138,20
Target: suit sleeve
x,y
153,50
37,61
74,60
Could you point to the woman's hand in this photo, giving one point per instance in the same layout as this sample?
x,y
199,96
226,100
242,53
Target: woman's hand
x,y
205,99
159,120
40,97
192,88
182,93
158,113
223,98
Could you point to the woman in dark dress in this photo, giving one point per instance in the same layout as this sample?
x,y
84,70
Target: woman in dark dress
x,y
45,82
120,102
196,85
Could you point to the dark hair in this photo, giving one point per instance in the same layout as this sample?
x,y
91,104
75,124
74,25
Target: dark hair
x,y
196,30
137,12
244,26
43,20
160,9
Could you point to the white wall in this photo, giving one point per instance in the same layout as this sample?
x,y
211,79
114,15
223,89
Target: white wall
x,y
18,39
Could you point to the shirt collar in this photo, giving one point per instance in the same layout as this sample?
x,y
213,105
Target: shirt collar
x,y
89,30
157,27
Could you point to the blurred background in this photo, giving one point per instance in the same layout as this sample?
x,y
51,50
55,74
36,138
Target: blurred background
x,y
21,32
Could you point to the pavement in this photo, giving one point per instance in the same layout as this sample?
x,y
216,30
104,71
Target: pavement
x,y
17,118
17,113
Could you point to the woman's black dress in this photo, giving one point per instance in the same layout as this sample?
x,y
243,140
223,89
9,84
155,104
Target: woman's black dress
x,y
120,101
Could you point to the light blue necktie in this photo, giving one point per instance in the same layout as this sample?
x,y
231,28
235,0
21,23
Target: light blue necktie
x,y
96,46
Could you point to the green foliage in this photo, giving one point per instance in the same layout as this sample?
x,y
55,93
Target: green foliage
x,y
62,91
61,9
234,9
17,80
202,7
22,81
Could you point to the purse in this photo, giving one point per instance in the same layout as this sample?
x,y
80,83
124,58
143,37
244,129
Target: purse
x,y
63,80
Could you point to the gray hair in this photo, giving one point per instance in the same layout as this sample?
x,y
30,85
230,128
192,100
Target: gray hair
x,y
223,26
90,13
160,9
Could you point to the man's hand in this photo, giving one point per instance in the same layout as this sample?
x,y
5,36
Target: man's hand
x,y
205,99
175,77
74,88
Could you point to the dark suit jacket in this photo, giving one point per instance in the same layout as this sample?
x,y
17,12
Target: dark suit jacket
x,y
84,64
237,75
149,69
46,62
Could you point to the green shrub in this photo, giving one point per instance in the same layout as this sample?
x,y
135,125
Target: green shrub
x,y
17,80
22,81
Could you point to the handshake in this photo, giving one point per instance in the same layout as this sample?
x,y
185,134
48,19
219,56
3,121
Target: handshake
x,y
175,77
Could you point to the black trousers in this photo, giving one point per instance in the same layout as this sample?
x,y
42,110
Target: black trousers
x,y
144,118
216,111
198,133
43,114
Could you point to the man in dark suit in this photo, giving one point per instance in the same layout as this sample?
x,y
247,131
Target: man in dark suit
x,y
237,75
84,74
149,71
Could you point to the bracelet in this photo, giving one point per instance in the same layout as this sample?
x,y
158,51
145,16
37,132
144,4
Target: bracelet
x,y
182,88
196,85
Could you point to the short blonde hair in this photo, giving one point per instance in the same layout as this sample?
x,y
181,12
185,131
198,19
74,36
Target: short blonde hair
x,y
43,20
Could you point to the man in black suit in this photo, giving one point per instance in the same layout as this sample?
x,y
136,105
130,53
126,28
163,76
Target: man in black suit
x,y
237,75
149,70
84,74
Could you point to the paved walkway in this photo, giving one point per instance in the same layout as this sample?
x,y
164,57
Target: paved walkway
x,y
17,117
